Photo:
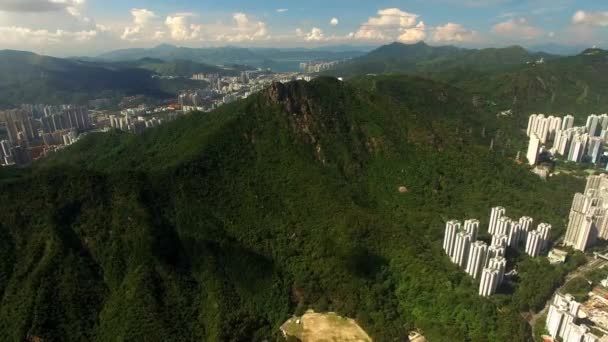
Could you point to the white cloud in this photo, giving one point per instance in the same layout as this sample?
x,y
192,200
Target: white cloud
x,y
315,35
590,18
334,21
517,28
142,20
282,10
391,24
413,35
244,29
181,28
452,32
38,5
24,35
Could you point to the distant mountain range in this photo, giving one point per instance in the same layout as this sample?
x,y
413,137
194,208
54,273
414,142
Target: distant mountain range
x,y
275,59
512,77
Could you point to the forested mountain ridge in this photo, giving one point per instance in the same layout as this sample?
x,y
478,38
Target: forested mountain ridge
x,y
220,226
31,78
512,78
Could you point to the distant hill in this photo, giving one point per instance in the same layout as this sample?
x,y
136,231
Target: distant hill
x,y
420,57
572,84
276,59
31,78
511,77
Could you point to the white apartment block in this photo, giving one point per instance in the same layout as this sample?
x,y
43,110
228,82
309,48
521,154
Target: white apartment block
x,y
588,219
477,258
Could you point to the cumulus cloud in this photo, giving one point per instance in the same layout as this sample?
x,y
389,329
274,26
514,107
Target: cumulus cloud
x,y
181,28
38,5
24,35
590,18
452,32
391,24
413,35
334,21
244,29
315,35
142,19
517,28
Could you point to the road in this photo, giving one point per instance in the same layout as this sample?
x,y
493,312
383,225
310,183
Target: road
x,y
583,269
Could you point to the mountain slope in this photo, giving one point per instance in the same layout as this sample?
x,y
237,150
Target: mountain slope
x,y
31,78
565,85
220,226
509,77
420,57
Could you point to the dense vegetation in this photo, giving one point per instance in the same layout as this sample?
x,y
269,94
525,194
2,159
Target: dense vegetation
x,y
220,226
509,77
31,78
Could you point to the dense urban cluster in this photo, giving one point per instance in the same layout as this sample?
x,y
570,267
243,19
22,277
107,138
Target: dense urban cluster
x,y
317,66
225,89
572,143
488,262
33,131
563,318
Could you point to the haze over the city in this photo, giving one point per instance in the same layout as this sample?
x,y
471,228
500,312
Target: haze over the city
x,y
90,27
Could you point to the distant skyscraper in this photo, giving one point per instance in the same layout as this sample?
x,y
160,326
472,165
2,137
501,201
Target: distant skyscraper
x,y
504,224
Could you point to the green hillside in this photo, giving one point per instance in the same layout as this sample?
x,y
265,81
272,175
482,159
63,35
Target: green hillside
x,y
220,226
422,58
508,77
31,78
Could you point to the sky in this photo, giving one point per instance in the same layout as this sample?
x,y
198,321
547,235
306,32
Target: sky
x,y
91,27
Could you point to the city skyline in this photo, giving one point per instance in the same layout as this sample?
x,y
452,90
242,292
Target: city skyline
x,y
90,27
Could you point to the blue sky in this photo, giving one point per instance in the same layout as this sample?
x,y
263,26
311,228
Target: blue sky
x,y
88,27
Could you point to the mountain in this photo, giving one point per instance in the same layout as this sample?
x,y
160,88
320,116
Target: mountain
x,y
568,85
31,78
219,226
420,57
512,77
274,58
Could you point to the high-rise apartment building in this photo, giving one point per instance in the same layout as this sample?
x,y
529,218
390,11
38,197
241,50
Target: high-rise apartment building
x,y
500,264
19,126
472,227
534,243
461,248
587,219
489,282
567,122
449,241
477,258
533,149
495,215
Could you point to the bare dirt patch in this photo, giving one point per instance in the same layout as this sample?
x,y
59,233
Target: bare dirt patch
x,y
324,327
